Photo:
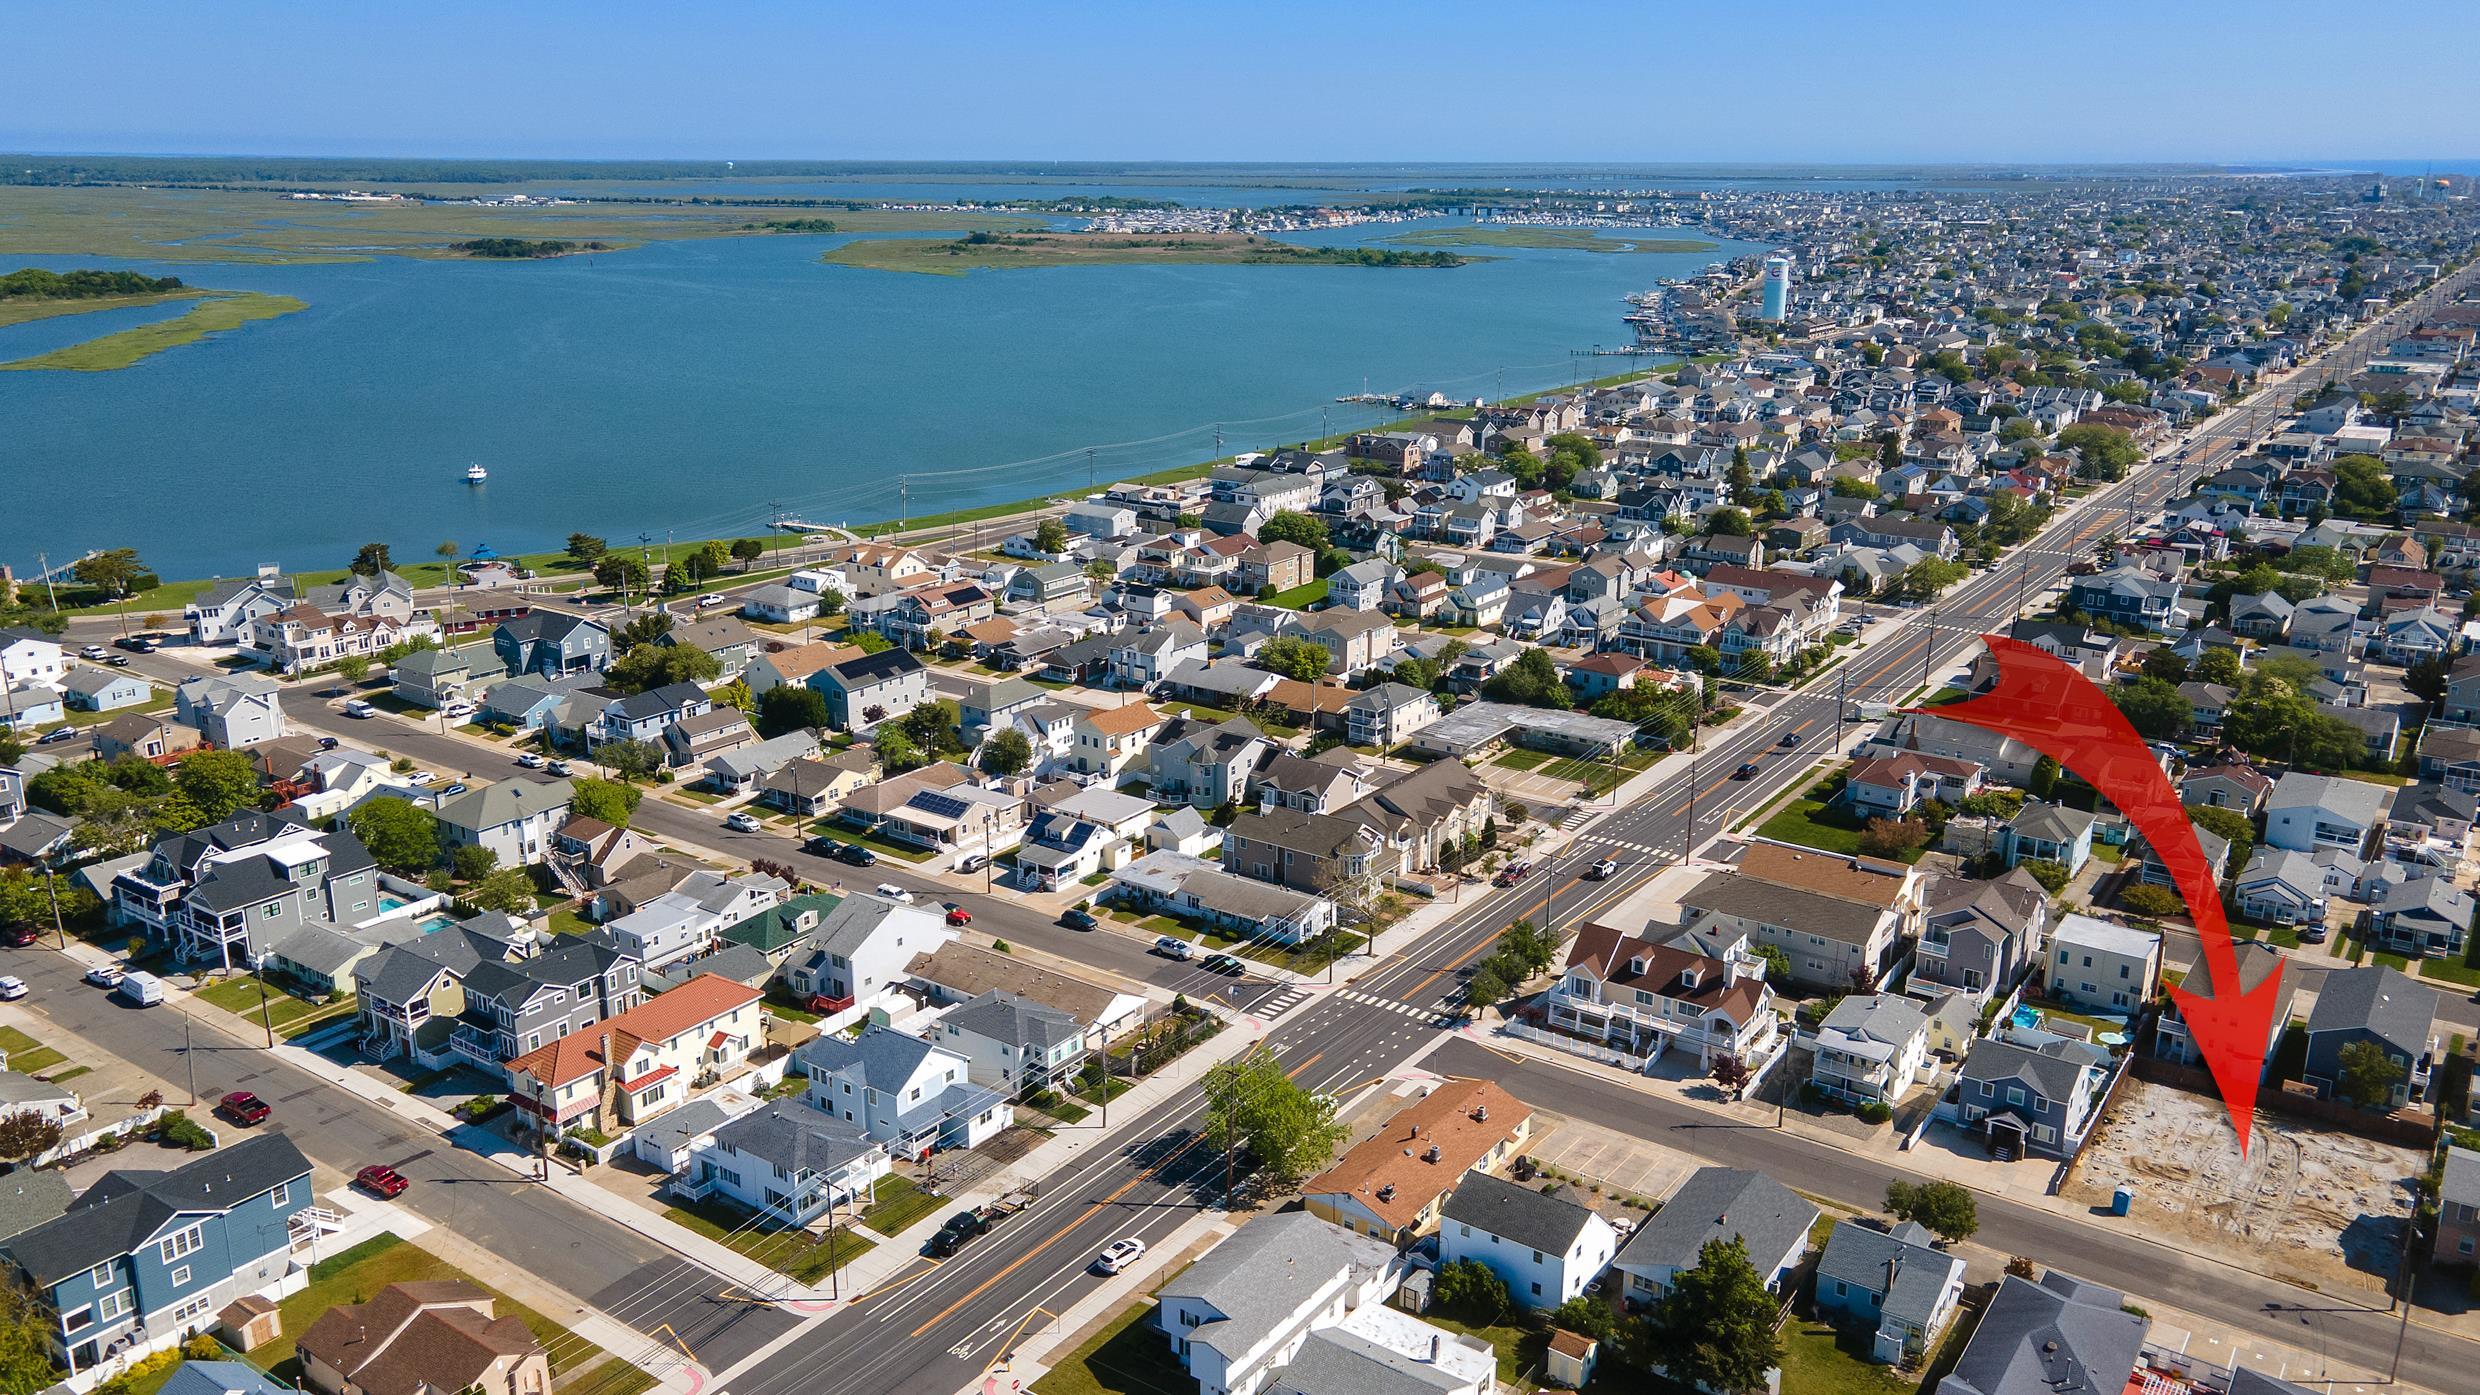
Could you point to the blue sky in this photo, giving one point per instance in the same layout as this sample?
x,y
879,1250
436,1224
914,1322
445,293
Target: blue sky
x,y
1790,81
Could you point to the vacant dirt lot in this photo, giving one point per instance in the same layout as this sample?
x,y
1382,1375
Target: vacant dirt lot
x,y
2310,1205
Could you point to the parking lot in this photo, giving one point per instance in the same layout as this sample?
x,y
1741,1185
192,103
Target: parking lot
x,y
2310,1205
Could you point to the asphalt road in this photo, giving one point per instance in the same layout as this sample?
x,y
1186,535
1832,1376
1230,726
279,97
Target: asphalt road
x,y
532,1228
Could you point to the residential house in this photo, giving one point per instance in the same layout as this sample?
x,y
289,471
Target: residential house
x,y
1546,1248
630,1067
813,788
2025,1100
1642,998
2422,915
909,1095
548,643
1196,891
104,689
1387,714
1288,1305
2237,787
1316,853
1716,1203
1891,1281
1206,764
2308,812
222,613
2457,1236
432,678
747,767
232,710
865,691
1841,922
2104,967
422,1338
1871,1049
2045,832
858,953
2281,887
1393,1185
2370,1005
1107,741
1892,786
1981,935
143,1259
2172,1041
690,919
787,1163
732,643
1142,661
2061,1336
514,818
1013,1044
2129,594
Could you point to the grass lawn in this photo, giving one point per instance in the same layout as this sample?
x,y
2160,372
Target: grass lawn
x,y
779,1002
63,1077
1129,1356
794,1253
239,995
2450,971
698,796
162,701
844,833
566,921
1813,820
1818,1361
1299,597
41,1058
896,1202
2109,852
613,1377
1519,1349
1523,760
356,1274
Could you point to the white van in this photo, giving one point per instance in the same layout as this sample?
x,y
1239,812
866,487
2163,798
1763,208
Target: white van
x,y
141,989
359,708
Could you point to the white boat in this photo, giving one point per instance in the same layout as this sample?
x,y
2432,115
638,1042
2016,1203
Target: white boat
x,y
475,474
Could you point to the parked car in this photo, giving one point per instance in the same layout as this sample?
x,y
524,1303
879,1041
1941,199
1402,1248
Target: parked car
x,y
58,734
962,1228
140,989
2312,934
104,975
244,1108
530,761
895,893
92,651
455,789
855,855
820,845
135,644
710,602
118,661
1077,918
1602,869
12,988
328,743
19,936
958,915
382,1181
558,767
972,862
359,708
1225,965
1119,1254
742,821
457,710
1173,947
1512,873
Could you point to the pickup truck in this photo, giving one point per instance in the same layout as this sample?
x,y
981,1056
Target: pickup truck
x,y
965,1227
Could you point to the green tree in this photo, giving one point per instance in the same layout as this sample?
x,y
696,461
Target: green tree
x,y
510,890
2044,779
1292,526
1467,1291
219,784
2229,824
618,571
585,549
1945,1209
2053,876
1050,535
2217,665
2369,1075
791,707
1252,1104
353,668
1729,523
933,726
1007,753
1487,988
2146,899
401,836
1587,1316
2105,452
612,801
2362,488
471,862
1925,578
1850,488
747,551
651,666
630,759
1714,1325
2164,665
1532,680
896,751
115,573
1893,837
2427,678
2154,708
25,1341
1294,656
372,560
642,629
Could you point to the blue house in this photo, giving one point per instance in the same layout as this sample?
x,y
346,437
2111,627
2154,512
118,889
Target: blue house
x,y
142,1260
2050,833
550,643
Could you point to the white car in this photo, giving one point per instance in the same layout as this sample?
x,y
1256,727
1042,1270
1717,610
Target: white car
x,y
104,975
359,708
458,709
742,823
12,988
894,892
530,761
92,651
1119,1254
421,777
1602,869
710,602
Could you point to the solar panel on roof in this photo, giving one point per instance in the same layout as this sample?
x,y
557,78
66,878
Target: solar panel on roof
x,y
946,806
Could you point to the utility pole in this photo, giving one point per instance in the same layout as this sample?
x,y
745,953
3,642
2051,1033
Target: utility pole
x,y
2023,578
1687,844
1928,651
189,1057
59,933
51,587
266,1016
1840,675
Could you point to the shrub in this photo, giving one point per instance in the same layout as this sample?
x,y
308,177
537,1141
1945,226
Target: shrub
x,y
181,1131
1875,1112
2146,899
2053,876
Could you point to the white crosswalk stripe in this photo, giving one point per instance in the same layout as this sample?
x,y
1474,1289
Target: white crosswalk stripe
x,y
1433,1017
1274,1005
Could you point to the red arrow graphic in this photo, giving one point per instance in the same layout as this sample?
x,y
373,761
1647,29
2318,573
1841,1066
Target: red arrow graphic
x,y
2059,712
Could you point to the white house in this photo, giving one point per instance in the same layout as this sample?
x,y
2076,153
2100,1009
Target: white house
x,y
31,659
2103,966
513,818
686,920
233,709
786,1162
2308,812
1546,1249
1871,1049
911,1095
859,951
1247,1307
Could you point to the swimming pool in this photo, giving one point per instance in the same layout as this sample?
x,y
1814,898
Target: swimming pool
x,y
432,924
392,903
2026,1017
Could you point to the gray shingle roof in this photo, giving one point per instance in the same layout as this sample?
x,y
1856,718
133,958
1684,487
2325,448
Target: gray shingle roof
x,y
2378,1000
1001,1016
795,1136
1900,1266
1256,1278
125,1209
1716,1203
2055,1076
1516,1213
2061,1336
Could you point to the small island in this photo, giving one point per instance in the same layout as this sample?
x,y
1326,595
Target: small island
x,y
521,248
1551,238
215,313
36,294
989,251
791,225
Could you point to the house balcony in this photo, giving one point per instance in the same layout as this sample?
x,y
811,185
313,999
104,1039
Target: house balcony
x,y
477,1046
829,1003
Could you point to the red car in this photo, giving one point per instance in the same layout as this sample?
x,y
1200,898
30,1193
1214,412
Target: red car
x,y
958,915
243,1108
1514,872
383,1180
18,936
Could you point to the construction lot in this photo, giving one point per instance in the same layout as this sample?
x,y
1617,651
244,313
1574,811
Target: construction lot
x,y
2312,1206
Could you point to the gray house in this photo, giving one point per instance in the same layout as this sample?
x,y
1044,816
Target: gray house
x,y
2371,1004
2425,914
2025,1100
514,1006
2061,1336
1894,1282
863,692
2171,1040
1980,935
1012,1044
549,643
1717,1203
513,818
